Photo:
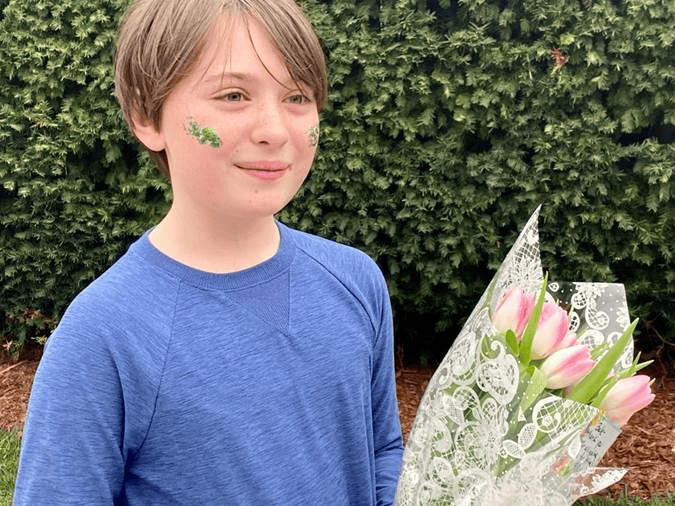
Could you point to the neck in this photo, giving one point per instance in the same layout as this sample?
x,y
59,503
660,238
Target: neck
x,y
217,246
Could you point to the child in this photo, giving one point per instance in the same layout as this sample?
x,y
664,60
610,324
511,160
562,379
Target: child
x,y
225,359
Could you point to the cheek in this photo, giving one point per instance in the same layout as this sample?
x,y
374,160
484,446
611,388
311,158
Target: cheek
x,y
308,155
307,138
197,144
203,134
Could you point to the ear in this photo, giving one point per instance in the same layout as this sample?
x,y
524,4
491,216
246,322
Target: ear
x,y
146,132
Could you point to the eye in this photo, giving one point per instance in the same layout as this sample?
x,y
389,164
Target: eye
x,y
298,99
233,96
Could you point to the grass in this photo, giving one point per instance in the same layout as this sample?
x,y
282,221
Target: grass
x,y
9,460
627,501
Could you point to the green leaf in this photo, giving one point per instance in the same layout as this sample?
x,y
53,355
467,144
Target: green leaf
x,y
530,330
591,384
536,385
602,392
512,341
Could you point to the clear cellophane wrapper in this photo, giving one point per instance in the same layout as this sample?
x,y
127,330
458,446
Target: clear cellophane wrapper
x,y
472,443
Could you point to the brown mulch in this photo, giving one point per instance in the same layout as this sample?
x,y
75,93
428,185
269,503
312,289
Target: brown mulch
x,y
15,382
646,445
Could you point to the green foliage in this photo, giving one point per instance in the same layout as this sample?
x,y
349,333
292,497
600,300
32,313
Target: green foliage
x,y
448,122
30,327
73,190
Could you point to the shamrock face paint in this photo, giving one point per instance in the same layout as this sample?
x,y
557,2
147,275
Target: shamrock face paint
x,y
313,134
206,135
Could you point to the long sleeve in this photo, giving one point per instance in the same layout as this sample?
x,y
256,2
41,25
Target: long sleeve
x,y
93,395
72,442
386,421
367,290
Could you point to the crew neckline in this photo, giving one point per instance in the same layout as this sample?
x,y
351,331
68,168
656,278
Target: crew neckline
x,y
256,274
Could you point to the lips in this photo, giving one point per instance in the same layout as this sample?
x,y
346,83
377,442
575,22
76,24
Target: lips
x,y
263,165
265,170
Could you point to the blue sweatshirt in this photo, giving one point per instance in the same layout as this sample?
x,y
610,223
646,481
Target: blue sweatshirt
x,y
165,385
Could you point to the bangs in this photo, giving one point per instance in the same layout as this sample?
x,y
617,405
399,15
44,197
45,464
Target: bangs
x,y
295,39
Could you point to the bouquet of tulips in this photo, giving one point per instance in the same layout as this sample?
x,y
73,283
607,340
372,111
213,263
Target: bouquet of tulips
x,y
530,396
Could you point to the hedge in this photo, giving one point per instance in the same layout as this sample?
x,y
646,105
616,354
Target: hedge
x,y
448,123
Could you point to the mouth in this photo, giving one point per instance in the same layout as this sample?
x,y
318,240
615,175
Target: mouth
x,y
265,170
263,166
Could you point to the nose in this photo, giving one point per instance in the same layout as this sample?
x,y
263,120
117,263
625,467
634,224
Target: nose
x,y
270,124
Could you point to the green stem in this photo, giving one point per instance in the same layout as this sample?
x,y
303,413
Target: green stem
x,y
530,330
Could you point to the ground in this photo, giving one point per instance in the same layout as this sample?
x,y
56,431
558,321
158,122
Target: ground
x,y
646,445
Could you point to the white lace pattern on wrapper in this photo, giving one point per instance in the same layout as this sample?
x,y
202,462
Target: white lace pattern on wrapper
x,y
472,444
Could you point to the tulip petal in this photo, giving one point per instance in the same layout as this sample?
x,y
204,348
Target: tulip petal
x,y
567,366
552,328
626,397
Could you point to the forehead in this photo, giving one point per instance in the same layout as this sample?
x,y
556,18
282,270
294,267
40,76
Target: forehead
x,y
238,46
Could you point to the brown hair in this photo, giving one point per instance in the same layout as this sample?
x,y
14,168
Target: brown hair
x,y
160,41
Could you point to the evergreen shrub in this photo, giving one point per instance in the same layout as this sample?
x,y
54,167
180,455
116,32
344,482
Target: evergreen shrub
x,y
448,123
74,189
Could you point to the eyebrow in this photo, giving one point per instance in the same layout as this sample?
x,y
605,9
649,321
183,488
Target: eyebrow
x,y
221,77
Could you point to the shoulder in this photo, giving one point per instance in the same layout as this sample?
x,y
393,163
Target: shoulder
x,y
128,306
340,259
131,283
352,268
113,339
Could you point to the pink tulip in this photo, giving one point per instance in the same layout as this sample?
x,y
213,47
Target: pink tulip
x,y
551,330
626,397
513,311
568,341
567,366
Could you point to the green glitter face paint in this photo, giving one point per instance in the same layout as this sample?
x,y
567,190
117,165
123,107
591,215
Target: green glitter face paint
x,y
206,135
313,134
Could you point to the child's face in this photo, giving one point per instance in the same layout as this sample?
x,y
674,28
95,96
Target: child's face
x,y
239,135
